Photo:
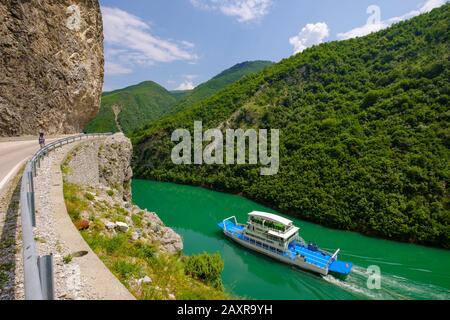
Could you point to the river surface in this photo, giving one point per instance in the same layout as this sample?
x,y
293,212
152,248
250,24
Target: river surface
x,y
407,271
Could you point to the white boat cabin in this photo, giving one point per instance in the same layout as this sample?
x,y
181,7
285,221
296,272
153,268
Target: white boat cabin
x,y
271,228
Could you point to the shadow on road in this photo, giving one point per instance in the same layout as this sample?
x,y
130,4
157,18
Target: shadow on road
x,y
9,215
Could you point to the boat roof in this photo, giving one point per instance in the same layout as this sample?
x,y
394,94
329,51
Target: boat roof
x,y
286,234
272,217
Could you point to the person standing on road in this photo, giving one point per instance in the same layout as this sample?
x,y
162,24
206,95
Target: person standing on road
x,y
41,140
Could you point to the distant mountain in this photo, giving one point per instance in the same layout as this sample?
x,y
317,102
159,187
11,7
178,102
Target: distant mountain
x,y
365,138
221,81
133,107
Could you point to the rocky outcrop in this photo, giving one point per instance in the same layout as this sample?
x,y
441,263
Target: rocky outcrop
x,y
101,169
114,216
114,158
103,162
51,62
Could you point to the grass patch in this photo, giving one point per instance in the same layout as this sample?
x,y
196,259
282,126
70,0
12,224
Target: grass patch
x,y
207,268
3,278
89,196
125,270
4,269
67,259
137,220
9,266
6,244
121,211
38,239
75,203
65,167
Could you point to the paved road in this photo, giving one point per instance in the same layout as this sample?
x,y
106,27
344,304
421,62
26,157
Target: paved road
x,y
14,153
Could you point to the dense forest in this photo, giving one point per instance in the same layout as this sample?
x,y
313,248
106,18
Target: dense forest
x,y
133,107
365,137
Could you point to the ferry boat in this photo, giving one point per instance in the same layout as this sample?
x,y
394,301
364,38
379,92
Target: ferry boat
x,y
278,238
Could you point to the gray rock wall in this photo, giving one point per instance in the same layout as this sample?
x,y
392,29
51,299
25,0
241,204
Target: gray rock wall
x,y
114,159
82,164
51,62
103,162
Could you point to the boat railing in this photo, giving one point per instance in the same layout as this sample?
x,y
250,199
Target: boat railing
x,y
230,218
333,257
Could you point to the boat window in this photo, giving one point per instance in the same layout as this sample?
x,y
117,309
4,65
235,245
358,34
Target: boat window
x,y
276,226
256,220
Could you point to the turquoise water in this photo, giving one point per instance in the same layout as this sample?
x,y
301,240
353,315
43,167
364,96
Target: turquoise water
x,y
408,271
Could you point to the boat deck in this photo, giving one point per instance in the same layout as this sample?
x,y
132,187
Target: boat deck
x,y
313,257
231,227
340,267
321,260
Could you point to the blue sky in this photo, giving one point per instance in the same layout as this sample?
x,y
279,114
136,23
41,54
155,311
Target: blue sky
x,y
182,43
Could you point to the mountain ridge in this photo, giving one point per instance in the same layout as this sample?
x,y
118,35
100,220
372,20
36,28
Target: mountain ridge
x,y
137,104
148,101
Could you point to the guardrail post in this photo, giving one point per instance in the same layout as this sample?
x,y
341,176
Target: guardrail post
x,y
45,264
30,199
33,170
30,176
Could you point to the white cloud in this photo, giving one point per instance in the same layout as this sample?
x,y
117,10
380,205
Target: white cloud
x,y
186,85
311,34
374,23
362,31
129,41
188,44
188,82
242,10
432,4
114,69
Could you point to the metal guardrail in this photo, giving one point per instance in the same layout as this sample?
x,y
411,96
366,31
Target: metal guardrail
x,y
38,270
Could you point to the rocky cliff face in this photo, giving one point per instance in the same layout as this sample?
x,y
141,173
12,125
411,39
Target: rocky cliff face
x,y
103,163
114,158
51,62
101,168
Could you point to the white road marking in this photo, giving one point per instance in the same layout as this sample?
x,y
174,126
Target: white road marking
x,y
11,173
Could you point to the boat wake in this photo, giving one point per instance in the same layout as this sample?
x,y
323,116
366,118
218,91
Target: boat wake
x,y
392,287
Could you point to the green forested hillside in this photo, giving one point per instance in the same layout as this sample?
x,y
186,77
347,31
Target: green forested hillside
x,y
180,94
133,106
222,80
146,102
365,133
